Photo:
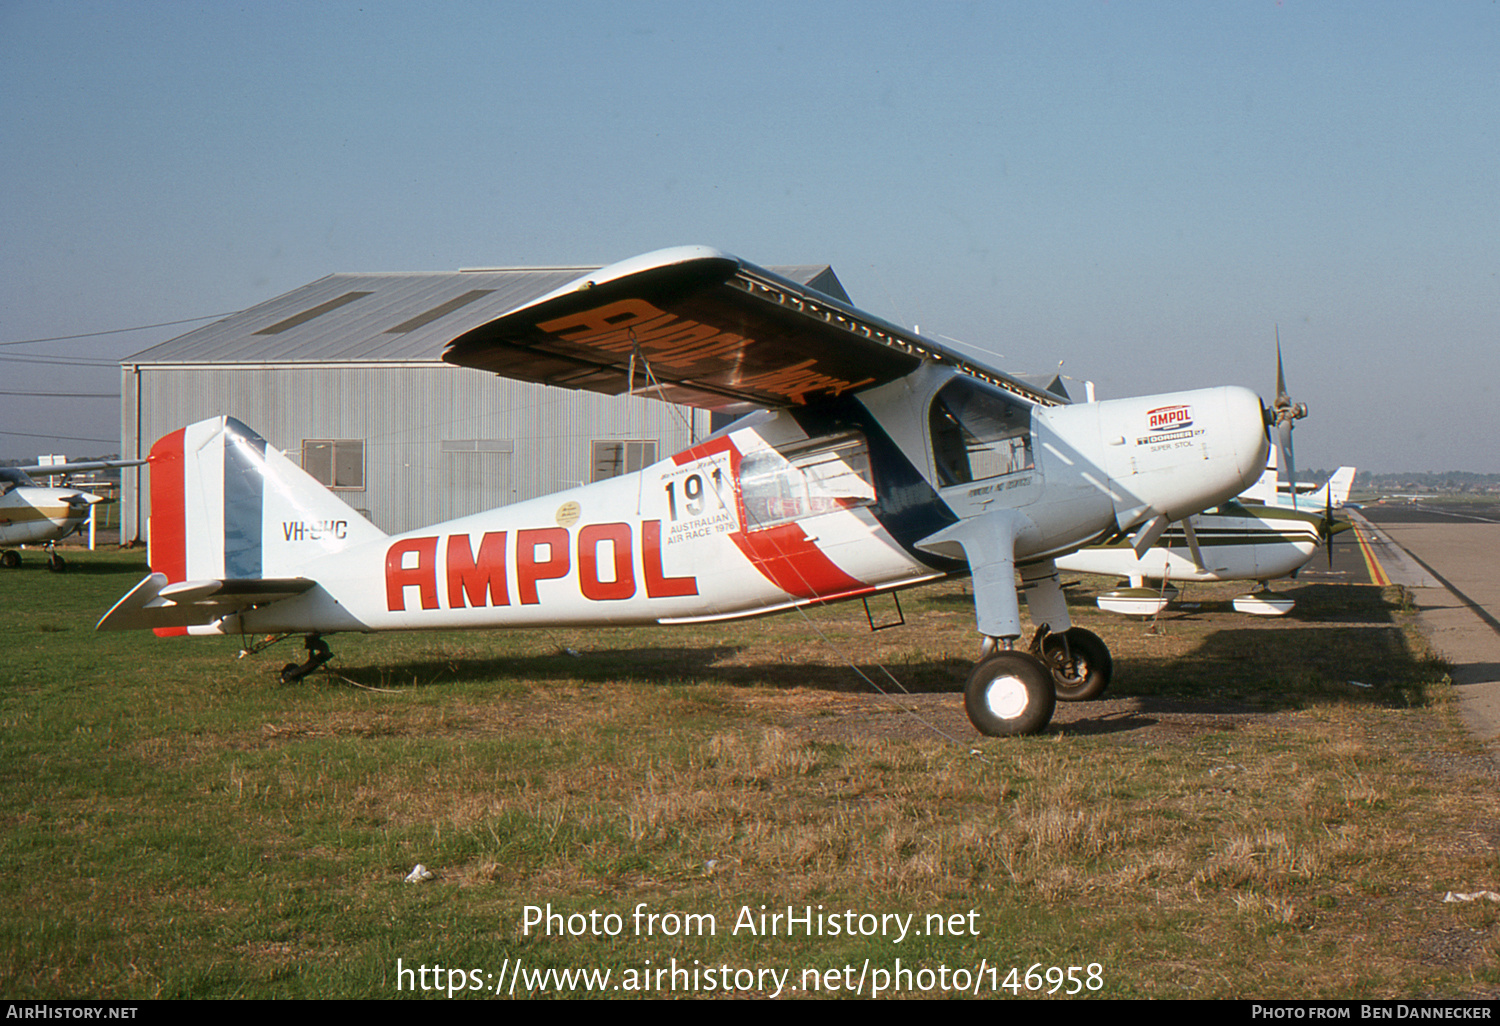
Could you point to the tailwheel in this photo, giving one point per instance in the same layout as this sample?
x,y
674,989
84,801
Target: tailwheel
x,y
317,655
1009,693
1080,664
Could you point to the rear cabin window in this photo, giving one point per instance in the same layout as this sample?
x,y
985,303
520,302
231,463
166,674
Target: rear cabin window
x,y
806,479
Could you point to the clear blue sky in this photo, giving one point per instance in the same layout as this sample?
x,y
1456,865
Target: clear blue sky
x,y
1141,190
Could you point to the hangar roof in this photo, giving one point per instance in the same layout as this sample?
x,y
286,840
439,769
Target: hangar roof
x,y
382,318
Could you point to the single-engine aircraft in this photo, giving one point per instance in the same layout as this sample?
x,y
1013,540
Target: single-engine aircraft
x,y
31,514
871,458
1258,536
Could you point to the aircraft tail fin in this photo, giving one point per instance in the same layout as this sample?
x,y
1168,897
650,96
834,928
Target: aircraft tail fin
x,y
1333,492
1340,485
227,506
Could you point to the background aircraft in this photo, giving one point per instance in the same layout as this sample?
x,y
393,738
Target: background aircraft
x,y
871,459
1269,531
33,514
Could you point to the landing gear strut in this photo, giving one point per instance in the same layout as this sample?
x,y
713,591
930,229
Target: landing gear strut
x,y
317,655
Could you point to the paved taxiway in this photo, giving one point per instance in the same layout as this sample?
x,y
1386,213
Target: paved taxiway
x,y
1451,561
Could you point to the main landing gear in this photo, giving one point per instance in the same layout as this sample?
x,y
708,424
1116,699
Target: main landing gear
x,y
10,559
317,655
1013,692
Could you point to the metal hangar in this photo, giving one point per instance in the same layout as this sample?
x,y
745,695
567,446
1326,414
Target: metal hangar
x,y
345,375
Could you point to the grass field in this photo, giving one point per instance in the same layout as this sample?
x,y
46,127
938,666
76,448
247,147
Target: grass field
x,y
1256,809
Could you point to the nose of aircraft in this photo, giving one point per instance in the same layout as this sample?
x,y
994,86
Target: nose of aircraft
x,y
1176,453
1206,455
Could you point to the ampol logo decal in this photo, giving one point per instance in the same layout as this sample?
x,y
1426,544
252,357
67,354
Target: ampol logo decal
x,y
1167,418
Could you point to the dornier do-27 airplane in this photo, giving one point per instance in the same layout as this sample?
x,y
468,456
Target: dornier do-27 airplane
x,y
33,514
870,458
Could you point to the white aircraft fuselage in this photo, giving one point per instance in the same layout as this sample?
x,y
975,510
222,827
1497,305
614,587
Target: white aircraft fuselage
x,y
878,459
792,507
33,514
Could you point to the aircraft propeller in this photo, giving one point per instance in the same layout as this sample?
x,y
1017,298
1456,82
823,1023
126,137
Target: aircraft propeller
x,y
1284,414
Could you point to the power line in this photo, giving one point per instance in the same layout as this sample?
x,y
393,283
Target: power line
x,y
60,438
117,331
62,361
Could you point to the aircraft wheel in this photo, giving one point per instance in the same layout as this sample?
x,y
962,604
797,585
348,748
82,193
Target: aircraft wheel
x,y
56,563
1080,663
10,559
1009,693
317,655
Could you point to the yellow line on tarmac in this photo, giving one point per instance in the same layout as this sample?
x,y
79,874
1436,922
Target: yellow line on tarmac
x,y
1377,572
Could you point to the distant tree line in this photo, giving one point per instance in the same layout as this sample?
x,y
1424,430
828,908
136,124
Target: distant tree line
x,y
1461,481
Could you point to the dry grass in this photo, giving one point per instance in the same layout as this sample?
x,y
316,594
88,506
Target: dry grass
x,y
1236,820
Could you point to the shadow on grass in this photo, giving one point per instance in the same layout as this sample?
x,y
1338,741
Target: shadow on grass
x,y
1341,644
80,563
664,667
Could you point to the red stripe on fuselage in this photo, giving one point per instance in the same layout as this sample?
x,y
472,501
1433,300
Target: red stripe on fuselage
x,y
168,513
789,559
784,554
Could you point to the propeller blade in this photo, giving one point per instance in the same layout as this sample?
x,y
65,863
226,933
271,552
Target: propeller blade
x,y
1282,399
1286,413
1288,456
1328,527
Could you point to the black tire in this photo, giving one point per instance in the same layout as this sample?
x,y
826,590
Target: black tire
x,y
56,563
1080,664
10,559
1009,693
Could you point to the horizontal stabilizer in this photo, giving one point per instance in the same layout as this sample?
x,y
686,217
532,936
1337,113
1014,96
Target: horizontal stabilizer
x,y
156,605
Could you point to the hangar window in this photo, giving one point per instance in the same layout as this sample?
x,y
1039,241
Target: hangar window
x,y
978,433
612,457
805,479
335,462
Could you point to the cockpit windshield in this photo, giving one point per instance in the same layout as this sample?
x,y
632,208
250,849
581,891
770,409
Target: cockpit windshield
x,y
11,477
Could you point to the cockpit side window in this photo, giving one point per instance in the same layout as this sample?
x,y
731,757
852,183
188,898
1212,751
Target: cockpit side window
x,y
802,480
978,434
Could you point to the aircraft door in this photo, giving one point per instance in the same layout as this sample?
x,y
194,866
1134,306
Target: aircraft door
x,y
981,447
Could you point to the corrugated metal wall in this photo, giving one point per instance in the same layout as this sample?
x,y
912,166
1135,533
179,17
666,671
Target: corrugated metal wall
x,y
402,412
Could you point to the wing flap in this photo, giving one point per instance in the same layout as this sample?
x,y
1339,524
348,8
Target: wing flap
x,y
703,328
153,604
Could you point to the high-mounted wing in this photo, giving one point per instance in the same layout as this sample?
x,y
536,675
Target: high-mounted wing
x,y
696,326
61,469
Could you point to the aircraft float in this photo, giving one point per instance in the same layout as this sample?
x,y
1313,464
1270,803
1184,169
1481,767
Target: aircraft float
x,y
870,458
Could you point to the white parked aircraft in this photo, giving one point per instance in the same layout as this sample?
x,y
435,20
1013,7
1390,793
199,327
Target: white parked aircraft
x,y
1260,536
33,514
874,459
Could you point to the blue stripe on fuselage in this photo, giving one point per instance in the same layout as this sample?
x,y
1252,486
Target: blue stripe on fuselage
x,y
905,504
